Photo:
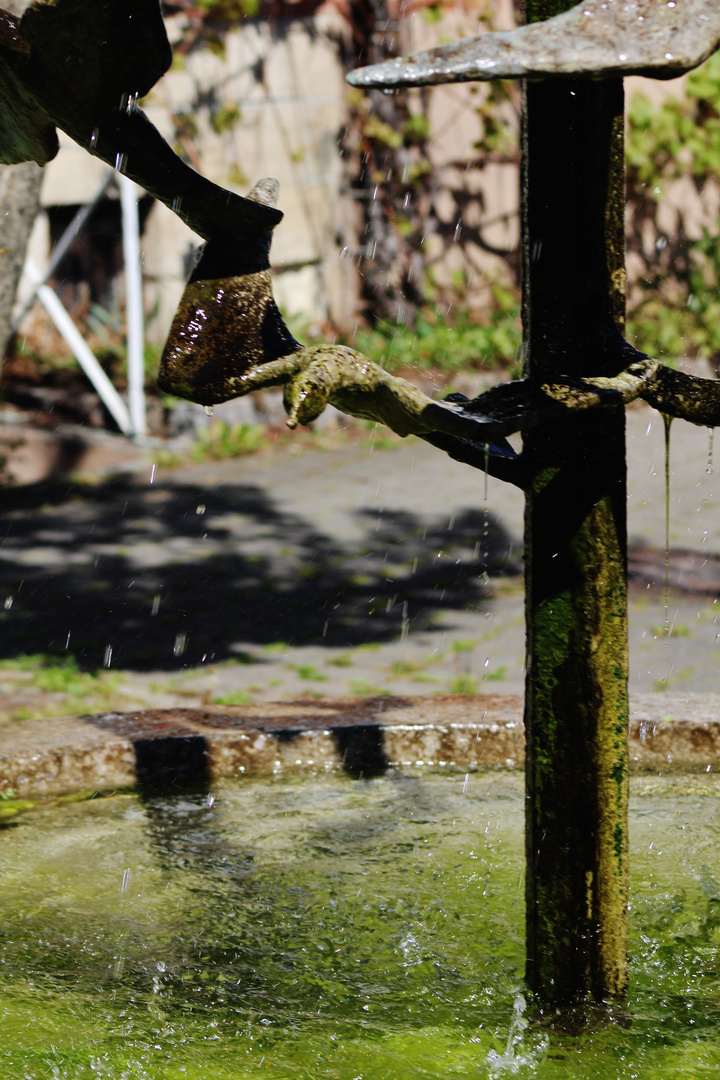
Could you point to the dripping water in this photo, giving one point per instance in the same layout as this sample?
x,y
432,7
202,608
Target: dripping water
x,y
709,466
667,421
486,518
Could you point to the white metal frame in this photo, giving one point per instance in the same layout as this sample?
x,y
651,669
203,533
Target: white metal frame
x,y
130,417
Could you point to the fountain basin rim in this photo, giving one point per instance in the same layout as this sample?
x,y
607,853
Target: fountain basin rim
x,y
669,732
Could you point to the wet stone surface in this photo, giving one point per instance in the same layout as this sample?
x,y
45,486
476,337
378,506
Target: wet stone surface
x,y
598,37
192,749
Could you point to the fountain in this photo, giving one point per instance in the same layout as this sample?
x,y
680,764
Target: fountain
x,y
229,338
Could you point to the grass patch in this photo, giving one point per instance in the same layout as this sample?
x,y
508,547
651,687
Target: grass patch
x,y
241,658
74,691
221,440
673,630
464,684
407,667
342,660
365,689
235,697
497,675
464,646
308,671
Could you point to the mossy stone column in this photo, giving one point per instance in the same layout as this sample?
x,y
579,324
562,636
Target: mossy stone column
x,y
575,541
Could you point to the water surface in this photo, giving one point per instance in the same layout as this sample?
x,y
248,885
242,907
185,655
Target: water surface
x,y
336,928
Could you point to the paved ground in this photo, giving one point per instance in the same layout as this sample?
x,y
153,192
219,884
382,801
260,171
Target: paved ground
x,y
347,570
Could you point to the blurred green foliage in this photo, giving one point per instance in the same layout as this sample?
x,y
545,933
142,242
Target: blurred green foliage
x,y
459,340
674,308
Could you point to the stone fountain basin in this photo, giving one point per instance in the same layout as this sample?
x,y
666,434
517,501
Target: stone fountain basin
x,y
236,905
461,733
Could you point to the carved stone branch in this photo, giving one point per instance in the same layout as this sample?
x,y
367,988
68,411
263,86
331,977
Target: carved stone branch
x,y
228,338
684,396
596,38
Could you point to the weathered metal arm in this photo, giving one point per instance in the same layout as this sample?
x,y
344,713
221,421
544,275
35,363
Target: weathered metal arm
x,y
81,65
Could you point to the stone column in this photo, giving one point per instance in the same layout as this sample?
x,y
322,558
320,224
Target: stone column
x,y
575,542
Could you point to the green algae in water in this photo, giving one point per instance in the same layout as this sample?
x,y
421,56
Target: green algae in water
x,y
336,928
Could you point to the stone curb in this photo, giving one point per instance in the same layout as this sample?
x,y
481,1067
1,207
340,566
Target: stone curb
x,y
181,747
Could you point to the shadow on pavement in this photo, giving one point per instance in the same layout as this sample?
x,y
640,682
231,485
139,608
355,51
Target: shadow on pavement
x,y
167,575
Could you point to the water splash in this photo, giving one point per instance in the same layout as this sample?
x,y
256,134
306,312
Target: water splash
x,y
519,1053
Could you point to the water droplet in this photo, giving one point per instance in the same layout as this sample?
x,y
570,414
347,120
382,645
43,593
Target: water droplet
x,y
208,410
405,625
8,602
160,964
107,660
200,508
152,474
180,644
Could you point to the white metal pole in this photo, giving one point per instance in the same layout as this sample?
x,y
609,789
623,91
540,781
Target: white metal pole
x,y
53,305
133,304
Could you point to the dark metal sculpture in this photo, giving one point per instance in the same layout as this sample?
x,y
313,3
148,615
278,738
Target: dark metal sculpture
x,y
228,338
81,66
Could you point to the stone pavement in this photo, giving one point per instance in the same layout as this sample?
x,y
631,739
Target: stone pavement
x,y
299,571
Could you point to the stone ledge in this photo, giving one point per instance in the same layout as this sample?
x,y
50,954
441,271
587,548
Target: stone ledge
x,y
458,733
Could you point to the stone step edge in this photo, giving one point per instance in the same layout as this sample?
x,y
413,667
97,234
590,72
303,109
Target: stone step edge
x,y
453,733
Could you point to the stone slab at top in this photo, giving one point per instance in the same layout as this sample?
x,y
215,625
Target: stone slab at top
x,y
446,733
661,39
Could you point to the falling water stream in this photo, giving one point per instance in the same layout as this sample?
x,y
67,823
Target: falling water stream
x,y
337,928
667,421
